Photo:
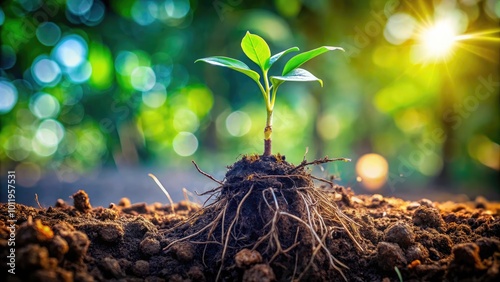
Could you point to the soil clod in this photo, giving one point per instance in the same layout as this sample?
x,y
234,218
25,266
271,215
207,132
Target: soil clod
x,y
150,246
390,255
111,233
81,201
246,258
401,234
259,273
183,251
141,268
467,254
425,216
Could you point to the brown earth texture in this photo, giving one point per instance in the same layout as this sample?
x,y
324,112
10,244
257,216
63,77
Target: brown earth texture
x,y
267,221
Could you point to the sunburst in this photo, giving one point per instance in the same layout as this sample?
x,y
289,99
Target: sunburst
x,y
439,35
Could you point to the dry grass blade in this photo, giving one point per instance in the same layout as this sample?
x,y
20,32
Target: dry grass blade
x,y
164,191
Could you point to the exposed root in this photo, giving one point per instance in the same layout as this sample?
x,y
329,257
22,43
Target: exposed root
x,y
206,174
226,242
324,160
282,216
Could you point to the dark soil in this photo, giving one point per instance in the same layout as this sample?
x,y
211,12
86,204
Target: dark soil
x,y
266,221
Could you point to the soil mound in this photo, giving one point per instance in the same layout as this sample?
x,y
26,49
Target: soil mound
x,y
271,209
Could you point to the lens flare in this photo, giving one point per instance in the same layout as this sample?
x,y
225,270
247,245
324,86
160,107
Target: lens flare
x,y
438,40
372,170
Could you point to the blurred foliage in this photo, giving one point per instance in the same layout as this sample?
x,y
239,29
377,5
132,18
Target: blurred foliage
x,y
92,83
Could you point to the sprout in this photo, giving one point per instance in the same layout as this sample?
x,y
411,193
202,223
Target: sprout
x,y
257,50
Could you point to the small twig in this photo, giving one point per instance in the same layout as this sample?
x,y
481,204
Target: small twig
x,y
206,174
164,191
305,153
38,203
318,162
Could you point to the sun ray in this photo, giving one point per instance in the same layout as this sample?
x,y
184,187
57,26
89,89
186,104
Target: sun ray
x,y
422,12
480,35
480,51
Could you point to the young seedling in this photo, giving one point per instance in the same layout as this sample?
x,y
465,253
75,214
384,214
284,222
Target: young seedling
x,y
257,50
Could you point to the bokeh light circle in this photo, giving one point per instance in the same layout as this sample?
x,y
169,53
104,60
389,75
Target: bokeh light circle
x,y
42,150
177,9
17,147
72,115
143,78
68,146
48,33
95,15
79,7
238,123
144,12
46,71
185,144
126,62
44,105
163,73
155,97
72,95
185,120
372,170
80,73
2,17
8,96
50,132
8,57
30,5
400,27
328,126
29,174
71,51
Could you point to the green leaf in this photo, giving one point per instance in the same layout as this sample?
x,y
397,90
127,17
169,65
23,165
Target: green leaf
x,y
232,64
295,75
276,57
256,49
301,58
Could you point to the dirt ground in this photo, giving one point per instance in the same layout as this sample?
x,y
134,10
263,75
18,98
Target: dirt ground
x,y
267,238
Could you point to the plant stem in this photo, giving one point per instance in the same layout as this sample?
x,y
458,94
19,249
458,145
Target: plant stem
x,y
267,133
269,122
268,130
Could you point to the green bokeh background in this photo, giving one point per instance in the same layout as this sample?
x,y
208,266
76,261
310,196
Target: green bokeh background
x,y
111,84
